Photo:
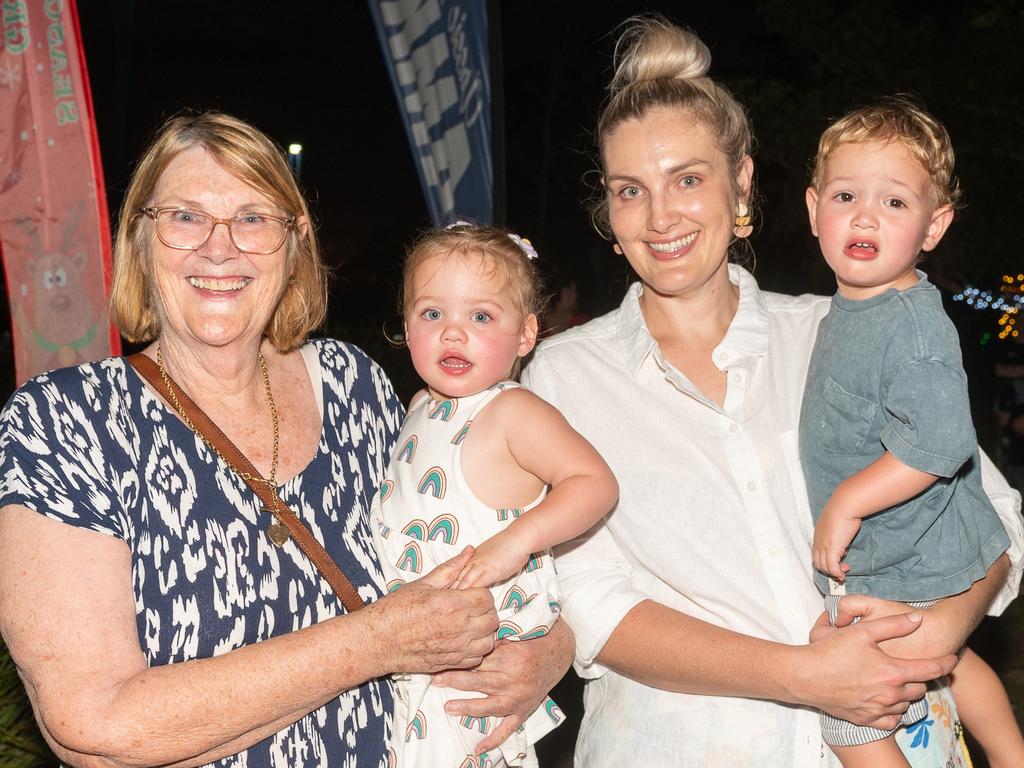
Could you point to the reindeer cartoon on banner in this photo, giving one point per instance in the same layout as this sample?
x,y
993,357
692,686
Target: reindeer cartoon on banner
x,y
63,327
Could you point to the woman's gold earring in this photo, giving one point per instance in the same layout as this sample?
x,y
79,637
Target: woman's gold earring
x,y
742,227
617,248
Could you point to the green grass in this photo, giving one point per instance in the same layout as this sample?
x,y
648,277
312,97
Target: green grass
x,y
21,745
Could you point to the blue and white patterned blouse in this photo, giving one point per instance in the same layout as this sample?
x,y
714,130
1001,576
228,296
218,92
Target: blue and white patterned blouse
x,y
92,447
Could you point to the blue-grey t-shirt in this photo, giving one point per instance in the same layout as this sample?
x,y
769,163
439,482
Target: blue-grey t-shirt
x,y
886,375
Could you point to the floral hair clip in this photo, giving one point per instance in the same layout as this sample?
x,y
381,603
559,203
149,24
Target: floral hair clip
x,y
525,245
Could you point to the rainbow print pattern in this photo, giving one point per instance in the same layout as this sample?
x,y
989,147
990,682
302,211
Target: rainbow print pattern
x,y
427,516
442,528
417,727
509,630
515,598
533,563
411,559
433,483
474,723
408,450
461,434
444,410
553,710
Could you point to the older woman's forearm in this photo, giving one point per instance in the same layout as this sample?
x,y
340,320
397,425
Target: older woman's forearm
x,y
68,617
199,711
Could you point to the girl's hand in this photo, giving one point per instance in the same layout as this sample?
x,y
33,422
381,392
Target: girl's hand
x,y
424,627
832,536
500,557
515,678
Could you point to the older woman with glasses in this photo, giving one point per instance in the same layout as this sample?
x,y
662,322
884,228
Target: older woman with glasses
x,y
169,601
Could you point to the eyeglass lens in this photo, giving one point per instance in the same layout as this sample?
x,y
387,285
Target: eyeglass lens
x,y
251,232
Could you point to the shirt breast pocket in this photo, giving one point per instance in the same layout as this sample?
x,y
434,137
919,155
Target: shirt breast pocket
x,y
848,418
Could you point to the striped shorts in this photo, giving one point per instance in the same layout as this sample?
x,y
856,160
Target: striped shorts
x,y
840,733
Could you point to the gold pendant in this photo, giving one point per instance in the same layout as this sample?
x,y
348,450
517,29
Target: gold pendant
x,y
278,533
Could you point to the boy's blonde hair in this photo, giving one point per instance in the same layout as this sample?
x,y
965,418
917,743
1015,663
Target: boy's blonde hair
x,y
897,118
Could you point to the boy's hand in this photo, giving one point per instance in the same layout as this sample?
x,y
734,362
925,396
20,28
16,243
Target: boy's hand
x,y
497,559
832,536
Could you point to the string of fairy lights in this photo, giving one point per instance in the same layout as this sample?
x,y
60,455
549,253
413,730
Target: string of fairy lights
x,y
1007,300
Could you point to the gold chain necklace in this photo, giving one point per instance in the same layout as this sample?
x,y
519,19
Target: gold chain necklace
x,y
277,532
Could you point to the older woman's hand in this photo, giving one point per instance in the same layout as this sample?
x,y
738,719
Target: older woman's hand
x,y
515,678
425,627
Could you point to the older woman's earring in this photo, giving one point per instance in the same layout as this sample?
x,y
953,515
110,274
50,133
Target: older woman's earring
x,y
617,248
742,227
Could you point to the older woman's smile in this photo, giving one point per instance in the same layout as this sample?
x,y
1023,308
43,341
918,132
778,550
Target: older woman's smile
x,y
220,284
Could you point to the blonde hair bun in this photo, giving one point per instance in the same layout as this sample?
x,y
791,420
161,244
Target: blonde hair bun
x,y
652,48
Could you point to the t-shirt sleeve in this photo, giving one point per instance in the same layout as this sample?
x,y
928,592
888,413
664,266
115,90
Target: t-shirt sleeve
x,y
52,459
927,417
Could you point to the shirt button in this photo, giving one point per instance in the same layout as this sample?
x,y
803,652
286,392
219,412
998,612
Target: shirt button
x,y
737,377
751,486
722,357
733,427
773,551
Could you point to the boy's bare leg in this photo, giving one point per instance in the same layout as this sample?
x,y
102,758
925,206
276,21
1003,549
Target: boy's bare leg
x,y
985,711
883,753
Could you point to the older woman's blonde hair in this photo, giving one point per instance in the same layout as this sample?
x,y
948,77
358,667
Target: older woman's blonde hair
x,y
248,154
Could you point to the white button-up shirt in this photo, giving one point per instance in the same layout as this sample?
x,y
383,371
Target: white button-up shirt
x,y
712,520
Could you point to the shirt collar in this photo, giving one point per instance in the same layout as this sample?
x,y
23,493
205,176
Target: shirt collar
x,y
747,335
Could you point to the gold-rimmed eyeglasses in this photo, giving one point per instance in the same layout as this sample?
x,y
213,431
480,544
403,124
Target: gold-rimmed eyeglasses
x,y
188,230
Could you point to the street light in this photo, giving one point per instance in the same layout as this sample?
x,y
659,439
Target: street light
x,y
295,159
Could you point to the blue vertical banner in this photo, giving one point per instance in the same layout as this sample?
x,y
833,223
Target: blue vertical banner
x,y
437,56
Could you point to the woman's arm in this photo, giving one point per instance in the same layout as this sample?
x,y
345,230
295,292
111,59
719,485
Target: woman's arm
x,y
847,674
946,625
619,627
68,617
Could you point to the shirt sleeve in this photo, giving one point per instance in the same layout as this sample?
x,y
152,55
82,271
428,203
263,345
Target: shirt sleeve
x,y
594,576
927,414
1006,501
52,460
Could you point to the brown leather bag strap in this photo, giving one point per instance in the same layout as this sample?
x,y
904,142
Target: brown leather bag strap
x,y
210,432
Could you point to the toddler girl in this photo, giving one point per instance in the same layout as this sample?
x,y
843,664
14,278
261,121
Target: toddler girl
x,y
474,459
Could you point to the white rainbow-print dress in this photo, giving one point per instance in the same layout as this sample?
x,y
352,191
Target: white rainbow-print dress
x,y
424,514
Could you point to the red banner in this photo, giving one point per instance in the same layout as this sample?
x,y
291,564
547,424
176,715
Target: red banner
x,y
54,228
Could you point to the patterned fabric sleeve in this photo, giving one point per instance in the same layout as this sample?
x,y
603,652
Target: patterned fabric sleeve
x,y
52,457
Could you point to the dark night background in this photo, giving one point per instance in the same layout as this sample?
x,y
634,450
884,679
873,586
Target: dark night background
x,y
312,72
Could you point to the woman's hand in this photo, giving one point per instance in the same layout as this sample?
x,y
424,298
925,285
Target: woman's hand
x,y
515,678
946,625
845,672
425,627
